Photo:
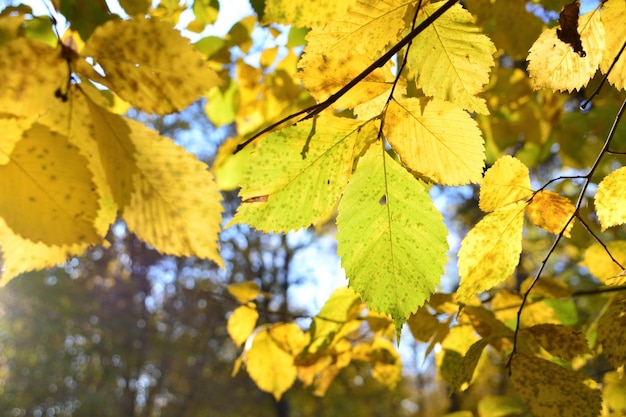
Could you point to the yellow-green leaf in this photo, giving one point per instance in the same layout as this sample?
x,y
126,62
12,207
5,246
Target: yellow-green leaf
x,y
241,323
269,366
562,341
436,139
490,251
506,182
162,82
386,362
612,332
451,59
612,16
610,199
551,212
465,372
296,175
422,324
553,63
550,390
47,191
391,239
340,308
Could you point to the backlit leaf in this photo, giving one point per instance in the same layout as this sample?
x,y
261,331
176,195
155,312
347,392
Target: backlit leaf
x,y
554,64
47,192
612,332
341,307
506,182
391,239
452,59
610,199
436,139
490,251
422,324
85,16
162,82
296,175
562,341
551,390
269,366
241,323
551,212
386,362
465,372
12,129
598,262
612,17
304,12
244,291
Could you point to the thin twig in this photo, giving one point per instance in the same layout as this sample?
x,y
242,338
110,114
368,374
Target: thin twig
x,y
597,239
584,104
318,108
558,238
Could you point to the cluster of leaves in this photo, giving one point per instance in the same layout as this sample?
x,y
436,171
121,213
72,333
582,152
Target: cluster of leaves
x,y
376,136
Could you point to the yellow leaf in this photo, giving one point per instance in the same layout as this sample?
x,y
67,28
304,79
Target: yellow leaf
x,y
47,191
304,12
244,291
422,324
386,362
366,29
562,341
31,72
553,63
436,139
547,287
175,205
610,199
324,75
269,366
296,175
551,212
289,337
612,16
241,323
452,59
490,251
551,390
12,129
162,82
465,372
506,182
612,332
598,262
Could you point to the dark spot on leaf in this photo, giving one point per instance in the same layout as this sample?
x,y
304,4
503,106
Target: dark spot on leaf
x,y
568,19
258,199
383,200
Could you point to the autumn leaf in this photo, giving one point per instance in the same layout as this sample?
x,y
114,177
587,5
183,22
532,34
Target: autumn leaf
x,y
612,17
269,366
47,191
554,64
244,291
391,239
610,199
506,182
303,12
156,83
241,323
451,59
490,251
600,265
296,175
562,341
551,390
465,372
552,212
612,333
435,139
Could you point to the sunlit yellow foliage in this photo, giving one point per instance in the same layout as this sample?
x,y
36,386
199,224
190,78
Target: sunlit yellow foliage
x,y
610,199
600,265
553,63
552,212
612,17
506,182
303,12
241,323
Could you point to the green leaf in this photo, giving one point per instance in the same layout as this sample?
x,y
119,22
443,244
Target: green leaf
x,y
452,59
85,16
490,251
391,239
296,175
551,390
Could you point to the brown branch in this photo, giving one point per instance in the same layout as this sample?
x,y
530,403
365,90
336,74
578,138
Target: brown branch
x,y
558,238
585,103
318,108
597,239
